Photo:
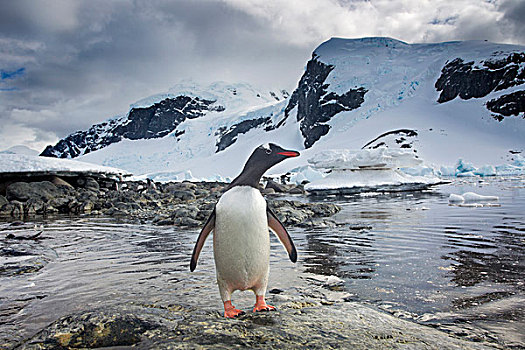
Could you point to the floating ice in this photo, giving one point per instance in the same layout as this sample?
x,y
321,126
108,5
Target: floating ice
x,y
474,197
471,199
366,158
305,173
486,170
368,170
456,198
465,169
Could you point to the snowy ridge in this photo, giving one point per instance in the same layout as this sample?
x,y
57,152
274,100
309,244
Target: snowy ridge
x,y
428,99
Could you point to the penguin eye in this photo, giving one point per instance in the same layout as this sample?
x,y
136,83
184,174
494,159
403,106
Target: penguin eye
x,y
268,151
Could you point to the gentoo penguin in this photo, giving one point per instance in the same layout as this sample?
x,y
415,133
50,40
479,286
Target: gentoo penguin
x,y
241,240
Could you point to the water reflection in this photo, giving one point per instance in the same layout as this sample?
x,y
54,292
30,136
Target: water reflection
x,y
495,255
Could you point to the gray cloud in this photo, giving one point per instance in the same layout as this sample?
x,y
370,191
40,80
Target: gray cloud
x,y
87,60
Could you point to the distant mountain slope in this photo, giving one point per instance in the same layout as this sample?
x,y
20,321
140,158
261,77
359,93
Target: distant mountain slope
x,y
444,101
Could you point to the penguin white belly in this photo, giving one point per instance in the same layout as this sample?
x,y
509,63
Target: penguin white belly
x,y
241,242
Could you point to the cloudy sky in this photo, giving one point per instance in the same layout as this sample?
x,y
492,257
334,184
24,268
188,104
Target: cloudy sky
x,y
65,65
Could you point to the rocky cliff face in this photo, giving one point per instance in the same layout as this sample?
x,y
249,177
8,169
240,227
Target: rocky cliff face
x,y
155,121
467,80
315,105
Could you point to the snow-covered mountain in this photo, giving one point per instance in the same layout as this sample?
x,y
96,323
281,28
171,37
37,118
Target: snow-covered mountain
x,y
20,149
444,101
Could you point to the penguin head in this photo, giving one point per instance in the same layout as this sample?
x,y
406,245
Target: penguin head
x,y
262,159
267,155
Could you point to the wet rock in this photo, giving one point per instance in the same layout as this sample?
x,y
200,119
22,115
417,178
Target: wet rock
x,y
34,206
3,201
115,212
87,207
185,221
291,216
92,330
298,324
17,209
22,191
324,209
61,203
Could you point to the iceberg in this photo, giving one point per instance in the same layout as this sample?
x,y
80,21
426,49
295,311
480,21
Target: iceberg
x,y
471,199
370,170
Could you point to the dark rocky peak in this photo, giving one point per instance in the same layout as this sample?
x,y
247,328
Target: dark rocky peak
x,y
228,136
154,121
400,138
315,105
467,80
512,104
162,118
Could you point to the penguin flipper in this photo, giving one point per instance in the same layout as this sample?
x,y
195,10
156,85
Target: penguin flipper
x,y
208,227
280,231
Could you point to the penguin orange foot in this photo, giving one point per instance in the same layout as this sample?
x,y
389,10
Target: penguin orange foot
x,y
260,304
230,311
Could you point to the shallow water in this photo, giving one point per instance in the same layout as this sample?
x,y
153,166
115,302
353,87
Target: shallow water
x,y
461,269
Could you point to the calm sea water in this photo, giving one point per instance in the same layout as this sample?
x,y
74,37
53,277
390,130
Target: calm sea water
x,y
461,269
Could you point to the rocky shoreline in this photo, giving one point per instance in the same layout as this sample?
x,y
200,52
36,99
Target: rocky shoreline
x,y
185,204
299,323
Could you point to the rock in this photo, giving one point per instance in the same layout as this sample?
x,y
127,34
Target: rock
x,y
324,209
299,324
185,221
115,212
276,186
61,203
3,201
184,195
91,184
228,136
291,216
297,190
179,186
315,106
154,121
18,209
22,191
87,207
165,222
186,212
58,181
49,209
268,191
92,330
34,206
507,105
467,80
